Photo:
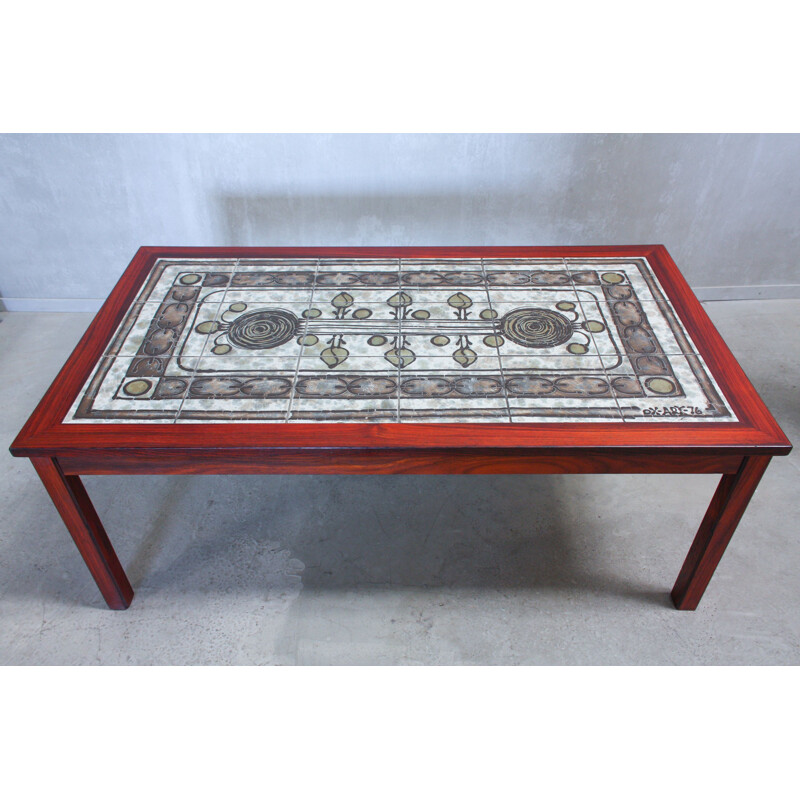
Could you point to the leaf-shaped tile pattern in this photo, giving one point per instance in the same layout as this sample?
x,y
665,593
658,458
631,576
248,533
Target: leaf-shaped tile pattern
x,y
342,300
459,300
465,356
400,300
333,356
400,356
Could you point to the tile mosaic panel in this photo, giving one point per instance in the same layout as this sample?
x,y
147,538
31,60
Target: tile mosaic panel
x,y
401,340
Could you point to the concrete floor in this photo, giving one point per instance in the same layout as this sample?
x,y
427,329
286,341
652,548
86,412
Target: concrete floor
x,y
401,569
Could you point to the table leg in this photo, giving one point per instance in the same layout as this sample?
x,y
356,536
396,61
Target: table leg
x,y
76,509
723,515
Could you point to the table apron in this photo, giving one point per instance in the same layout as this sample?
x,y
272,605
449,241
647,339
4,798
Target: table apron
x,y
371,461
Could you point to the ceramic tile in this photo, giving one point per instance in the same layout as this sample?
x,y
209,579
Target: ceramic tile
x,y
552,413
418,340
563,390
517,296
269,296
445,281
154,328
300,282
193,295
338,359
451,391
358,265
470,298
552,264
182,279
336,411
621,361
132,331
599,328
126,388
669,332
323,385
464,361
451,342
582,364
456,410
440,264
555,324
236,361
319,338
249,331
351,298
287,264
345,396
687,394
525,277
191,336
221,409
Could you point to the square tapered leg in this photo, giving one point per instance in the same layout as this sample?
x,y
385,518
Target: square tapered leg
x,y
723,515
76,509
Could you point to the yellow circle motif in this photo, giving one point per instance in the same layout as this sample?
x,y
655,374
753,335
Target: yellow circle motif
x,y
577,349
612,277
660,385
136,388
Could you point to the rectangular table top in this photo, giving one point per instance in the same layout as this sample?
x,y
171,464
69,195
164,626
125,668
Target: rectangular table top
x,y
553,337
401,340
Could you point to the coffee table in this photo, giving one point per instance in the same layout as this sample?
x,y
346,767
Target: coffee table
x,y
401,360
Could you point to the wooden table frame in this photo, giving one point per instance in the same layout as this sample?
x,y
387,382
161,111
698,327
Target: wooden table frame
x,y
739,451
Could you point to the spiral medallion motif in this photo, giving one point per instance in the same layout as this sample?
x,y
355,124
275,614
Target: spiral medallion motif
x,y
261,330
537,327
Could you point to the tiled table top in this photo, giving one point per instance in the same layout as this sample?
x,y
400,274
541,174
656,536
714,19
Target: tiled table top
x,y
401,340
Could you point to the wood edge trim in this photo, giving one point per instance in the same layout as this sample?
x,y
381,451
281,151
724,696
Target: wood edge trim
x,y
723,363
403,461
51,443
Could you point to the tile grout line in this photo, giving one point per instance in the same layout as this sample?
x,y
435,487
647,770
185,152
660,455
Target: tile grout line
x,y
594,342
296,376
397,416
205,342
499,356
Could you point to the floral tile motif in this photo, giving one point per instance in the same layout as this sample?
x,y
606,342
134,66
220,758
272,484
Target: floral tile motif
x,y
401,340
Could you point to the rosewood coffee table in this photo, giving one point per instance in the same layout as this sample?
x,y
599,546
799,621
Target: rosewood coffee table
x,y
401,360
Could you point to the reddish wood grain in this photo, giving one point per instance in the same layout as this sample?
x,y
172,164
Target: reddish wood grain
x,y
723,515
77,511
186,438
409,461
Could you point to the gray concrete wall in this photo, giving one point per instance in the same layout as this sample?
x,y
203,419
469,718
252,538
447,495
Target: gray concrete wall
x,y
76,206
